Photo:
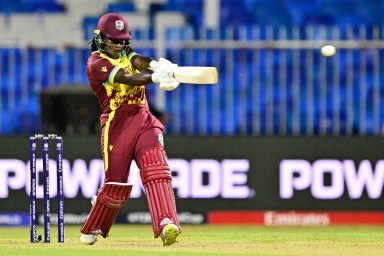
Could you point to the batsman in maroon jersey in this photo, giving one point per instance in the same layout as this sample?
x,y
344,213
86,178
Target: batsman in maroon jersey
x,y
129,131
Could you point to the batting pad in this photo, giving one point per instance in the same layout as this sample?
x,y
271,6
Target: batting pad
x,y
111,197
157,178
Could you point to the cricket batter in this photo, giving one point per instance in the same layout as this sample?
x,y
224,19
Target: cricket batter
x,y
129,131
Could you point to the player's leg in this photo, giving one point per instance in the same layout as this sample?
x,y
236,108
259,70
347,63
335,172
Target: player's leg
x,y
115,192
157,181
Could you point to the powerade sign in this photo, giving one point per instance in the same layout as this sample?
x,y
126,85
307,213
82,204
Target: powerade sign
x,y
209,178
277,174
331,179
198,178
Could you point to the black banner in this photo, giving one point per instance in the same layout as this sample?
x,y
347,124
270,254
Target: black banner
x,y
217,173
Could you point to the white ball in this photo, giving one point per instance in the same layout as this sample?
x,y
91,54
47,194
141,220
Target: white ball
x,y
328,50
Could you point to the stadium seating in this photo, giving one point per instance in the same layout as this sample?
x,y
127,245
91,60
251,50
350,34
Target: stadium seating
x,y
64,25
30,6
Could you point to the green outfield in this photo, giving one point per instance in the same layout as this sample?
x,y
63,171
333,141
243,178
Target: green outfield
x,y
206,240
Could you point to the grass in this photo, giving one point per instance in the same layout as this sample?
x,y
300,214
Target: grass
x,y
206,240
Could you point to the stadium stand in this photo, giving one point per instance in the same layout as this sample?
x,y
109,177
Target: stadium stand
x,y
51,37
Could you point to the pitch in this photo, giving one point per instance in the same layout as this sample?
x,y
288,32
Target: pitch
x,y
206,240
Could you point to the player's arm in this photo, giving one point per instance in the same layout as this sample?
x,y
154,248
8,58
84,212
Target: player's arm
x,y
163,73
142,63
123,77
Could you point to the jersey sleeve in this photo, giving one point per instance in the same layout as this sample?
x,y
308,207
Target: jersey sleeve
x,y
131,53
103,70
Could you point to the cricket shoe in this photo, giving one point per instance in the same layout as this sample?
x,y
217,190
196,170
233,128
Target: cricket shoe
x,y
88,239
169,234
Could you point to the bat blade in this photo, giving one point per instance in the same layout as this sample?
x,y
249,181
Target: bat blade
x,y
196,75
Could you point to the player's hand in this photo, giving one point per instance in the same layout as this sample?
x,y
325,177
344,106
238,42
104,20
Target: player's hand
x,y
163,66
154,66
164,63
163,74
158,66
166,70
166,80
168,84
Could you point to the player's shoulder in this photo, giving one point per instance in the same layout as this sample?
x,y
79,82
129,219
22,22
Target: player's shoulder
x,y
97,59
97,63
96,56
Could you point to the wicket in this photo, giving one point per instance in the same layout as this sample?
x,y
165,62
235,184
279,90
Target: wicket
x,y
34,181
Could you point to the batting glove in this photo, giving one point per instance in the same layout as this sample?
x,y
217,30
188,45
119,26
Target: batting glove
x,y
169,84
162,68
154,66
166,80
163,74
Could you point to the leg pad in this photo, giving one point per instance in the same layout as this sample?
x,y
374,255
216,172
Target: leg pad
x,y
111,197
157,181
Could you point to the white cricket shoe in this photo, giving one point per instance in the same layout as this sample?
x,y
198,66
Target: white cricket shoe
x,y
169,234
88,239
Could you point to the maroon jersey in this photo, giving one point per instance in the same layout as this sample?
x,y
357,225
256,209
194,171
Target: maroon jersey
x,y
101,71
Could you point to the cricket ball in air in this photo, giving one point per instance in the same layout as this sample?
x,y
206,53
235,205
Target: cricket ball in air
x,y
328,50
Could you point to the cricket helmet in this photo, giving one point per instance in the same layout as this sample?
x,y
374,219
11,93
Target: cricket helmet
x,y
114,26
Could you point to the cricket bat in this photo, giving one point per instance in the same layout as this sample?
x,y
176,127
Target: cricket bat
x,y
196,75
